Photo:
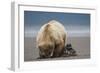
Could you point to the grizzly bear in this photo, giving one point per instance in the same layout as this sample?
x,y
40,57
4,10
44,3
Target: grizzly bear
x,y
51,39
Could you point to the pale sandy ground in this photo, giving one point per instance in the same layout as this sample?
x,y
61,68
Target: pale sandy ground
x,y
80,44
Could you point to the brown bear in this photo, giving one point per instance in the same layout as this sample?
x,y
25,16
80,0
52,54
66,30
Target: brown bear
x,y
51,39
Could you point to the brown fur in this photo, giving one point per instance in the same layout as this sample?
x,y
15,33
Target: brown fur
x,y
51,39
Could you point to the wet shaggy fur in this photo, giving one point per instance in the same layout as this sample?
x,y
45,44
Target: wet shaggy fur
x,y
51,39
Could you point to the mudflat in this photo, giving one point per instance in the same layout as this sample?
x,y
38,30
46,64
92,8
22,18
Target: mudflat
x,y
80,44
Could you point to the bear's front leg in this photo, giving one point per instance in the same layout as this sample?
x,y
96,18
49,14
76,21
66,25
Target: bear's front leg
x,y
59,49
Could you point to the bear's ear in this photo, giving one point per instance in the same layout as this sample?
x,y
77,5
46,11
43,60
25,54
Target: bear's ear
x,y
39,47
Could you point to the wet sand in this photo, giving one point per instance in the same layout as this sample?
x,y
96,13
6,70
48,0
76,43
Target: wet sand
x,y
80,44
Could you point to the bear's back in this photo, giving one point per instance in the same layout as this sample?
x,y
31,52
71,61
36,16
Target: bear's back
x,y
56,29
52,29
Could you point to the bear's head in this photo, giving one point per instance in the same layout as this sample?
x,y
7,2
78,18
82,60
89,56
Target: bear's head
x,y
46,50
